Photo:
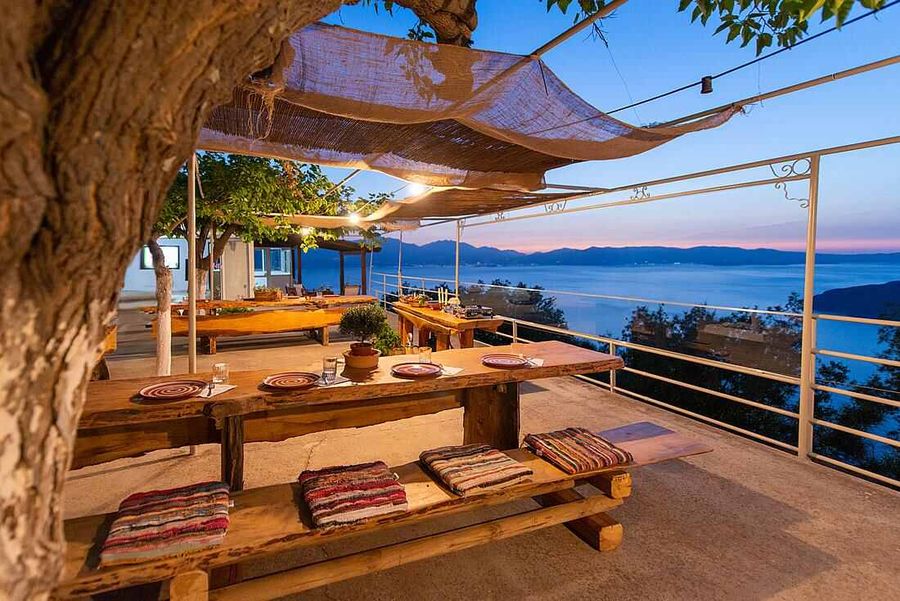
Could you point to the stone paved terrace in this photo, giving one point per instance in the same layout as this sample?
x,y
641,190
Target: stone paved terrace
x,y
744,522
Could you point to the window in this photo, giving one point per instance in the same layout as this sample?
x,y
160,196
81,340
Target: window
x,y
280,261
259,261
172,254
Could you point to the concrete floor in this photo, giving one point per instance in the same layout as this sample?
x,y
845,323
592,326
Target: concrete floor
x,y
742,523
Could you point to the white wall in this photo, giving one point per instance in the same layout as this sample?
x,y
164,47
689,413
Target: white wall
x,y
142,280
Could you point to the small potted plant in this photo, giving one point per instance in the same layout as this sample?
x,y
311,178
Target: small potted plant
x,y
364,323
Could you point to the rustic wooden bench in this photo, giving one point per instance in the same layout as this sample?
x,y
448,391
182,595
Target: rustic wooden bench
x,y
269,520
211,327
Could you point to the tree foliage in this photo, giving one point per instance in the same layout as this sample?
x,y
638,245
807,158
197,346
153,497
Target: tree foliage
x,y
767,22
238,192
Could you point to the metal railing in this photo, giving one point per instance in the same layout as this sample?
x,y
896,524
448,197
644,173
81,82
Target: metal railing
x,y
393,285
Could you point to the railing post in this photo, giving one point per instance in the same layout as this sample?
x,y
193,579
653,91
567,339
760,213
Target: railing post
x,y
808,335
384,290
612,372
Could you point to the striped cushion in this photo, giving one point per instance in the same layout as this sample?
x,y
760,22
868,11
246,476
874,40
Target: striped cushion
x,y
577,450
351,493
474,467
165,523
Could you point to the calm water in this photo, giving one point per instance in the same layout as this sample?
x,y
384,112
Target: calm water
x,y
742,286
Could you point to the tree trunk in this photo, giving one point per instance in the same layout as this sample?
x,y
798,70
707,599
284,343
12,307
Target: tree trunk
x,y
202,283
163,309
100,103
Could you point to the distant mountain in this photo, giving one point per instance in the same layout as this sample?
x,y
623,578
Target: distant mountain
x,y
442,252
872,300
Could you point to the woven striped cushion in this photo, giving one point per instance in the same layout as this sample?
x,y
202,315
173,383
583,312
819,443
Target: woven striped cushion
x,y
351,493
474,468
577,450
165,523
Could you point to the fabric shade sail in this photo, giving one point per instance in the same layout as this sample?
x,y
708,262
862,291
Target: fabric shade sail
x,y
436,114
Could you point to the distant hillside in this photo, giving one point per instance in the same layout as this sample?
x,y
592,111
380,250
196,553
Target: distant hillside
x,y
872,300
442,253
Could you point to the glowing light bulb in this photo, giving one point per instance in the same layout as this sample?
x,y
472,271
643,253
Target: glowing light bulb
x,y
415,188
306,231
354,218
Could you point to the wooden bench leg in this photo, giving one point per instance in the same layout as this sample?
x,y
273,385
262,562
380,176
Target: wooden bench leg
x,y
613,484
466,338
492,416
443,342
599,531
208,345
324,336
232,451
189,586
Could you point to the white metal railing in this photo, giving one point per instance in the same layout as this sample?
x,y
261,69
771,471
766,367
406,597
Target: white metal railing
x,y
392,286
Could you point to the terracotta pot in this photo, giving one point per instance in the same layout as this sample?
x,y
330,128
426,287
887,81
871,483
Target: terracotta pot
x,y
362,361
363,348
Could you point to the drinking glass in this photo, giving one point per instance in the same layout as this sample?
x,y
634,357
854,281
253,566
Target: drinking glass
x,y
220,374
424,354
329,369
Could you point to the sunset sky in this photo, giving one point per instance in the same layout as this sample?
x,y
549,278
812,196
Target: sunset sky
x,y
656,48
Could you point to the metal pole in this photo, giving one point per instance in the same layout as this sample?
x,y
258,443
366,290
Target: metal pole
x,y
384,290
612,372
192,263
808,339
400,267
456,272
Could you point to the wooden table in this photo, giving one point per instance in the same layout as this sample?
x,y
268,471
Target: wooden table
x,y
441,324
321,302
114,424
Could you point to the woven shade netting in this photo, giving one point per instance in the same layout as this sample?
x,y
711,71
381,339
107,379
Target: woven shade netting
x,y
437,114
460,203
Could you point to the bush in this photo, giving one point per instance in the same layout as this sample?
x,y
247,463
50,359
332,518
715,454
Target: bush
x,y
363,323
387,339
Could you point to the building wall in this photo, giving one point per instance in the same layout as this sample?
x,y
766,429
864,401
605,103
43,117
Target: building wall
x,y
236,274
141,280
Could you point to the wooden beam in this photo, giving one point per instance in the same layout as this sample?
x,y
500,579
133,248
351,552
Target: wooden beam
x,y
232,451
599,531
358,564
189,586
615,484
492,416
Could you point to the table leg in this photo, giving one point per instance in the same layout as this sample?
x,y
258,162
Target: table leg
x,y
466,338
492,416
442,342
403,329
424,336
232,449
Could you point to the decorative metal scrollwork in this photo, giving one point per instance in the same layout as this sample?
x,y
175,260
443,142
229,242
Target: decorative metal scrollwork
x,y
555,207
640,193
797,168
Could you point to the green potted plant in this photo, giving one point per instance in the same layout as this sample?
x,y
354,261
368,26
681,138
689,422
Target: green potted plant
x,y
264,293
364,323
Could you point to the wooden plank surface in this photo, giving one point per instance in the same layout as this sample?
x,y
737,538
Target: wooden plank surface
x,y
270,520
449,321
113,404
261,322
322,302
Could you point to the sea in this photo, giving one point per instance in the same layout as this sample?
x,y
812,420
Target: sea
x,y
759,286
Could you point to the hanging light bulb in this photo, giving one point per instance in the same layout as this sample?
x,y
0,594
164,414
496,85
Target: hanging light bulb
x,y
306,231
706,85
354,218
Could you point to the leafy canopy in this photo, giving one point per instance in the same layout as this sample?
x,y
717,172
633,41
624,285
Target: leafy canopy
x,y
782,22
238,191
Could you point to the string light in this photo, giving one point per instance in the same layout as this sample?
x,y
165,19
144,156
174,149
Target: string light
x,y
354,218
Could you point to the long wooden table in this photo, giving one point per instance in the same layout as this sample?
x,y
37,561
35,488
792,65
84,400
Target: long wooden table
x,y
114,424
321,302
441,324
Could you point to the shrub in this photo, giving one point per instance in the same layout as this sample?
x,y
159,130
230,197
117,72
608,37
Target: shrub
x,y
387,339
363,323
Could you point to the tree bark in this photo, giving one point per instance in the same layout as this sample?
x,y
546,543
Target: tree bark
x,y
100,103
163,309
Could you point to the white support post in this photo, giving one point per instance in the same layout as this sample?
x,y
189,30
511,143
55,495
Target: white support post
x,y
612,372
459,227
808,336
515,331
400,267
192,263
